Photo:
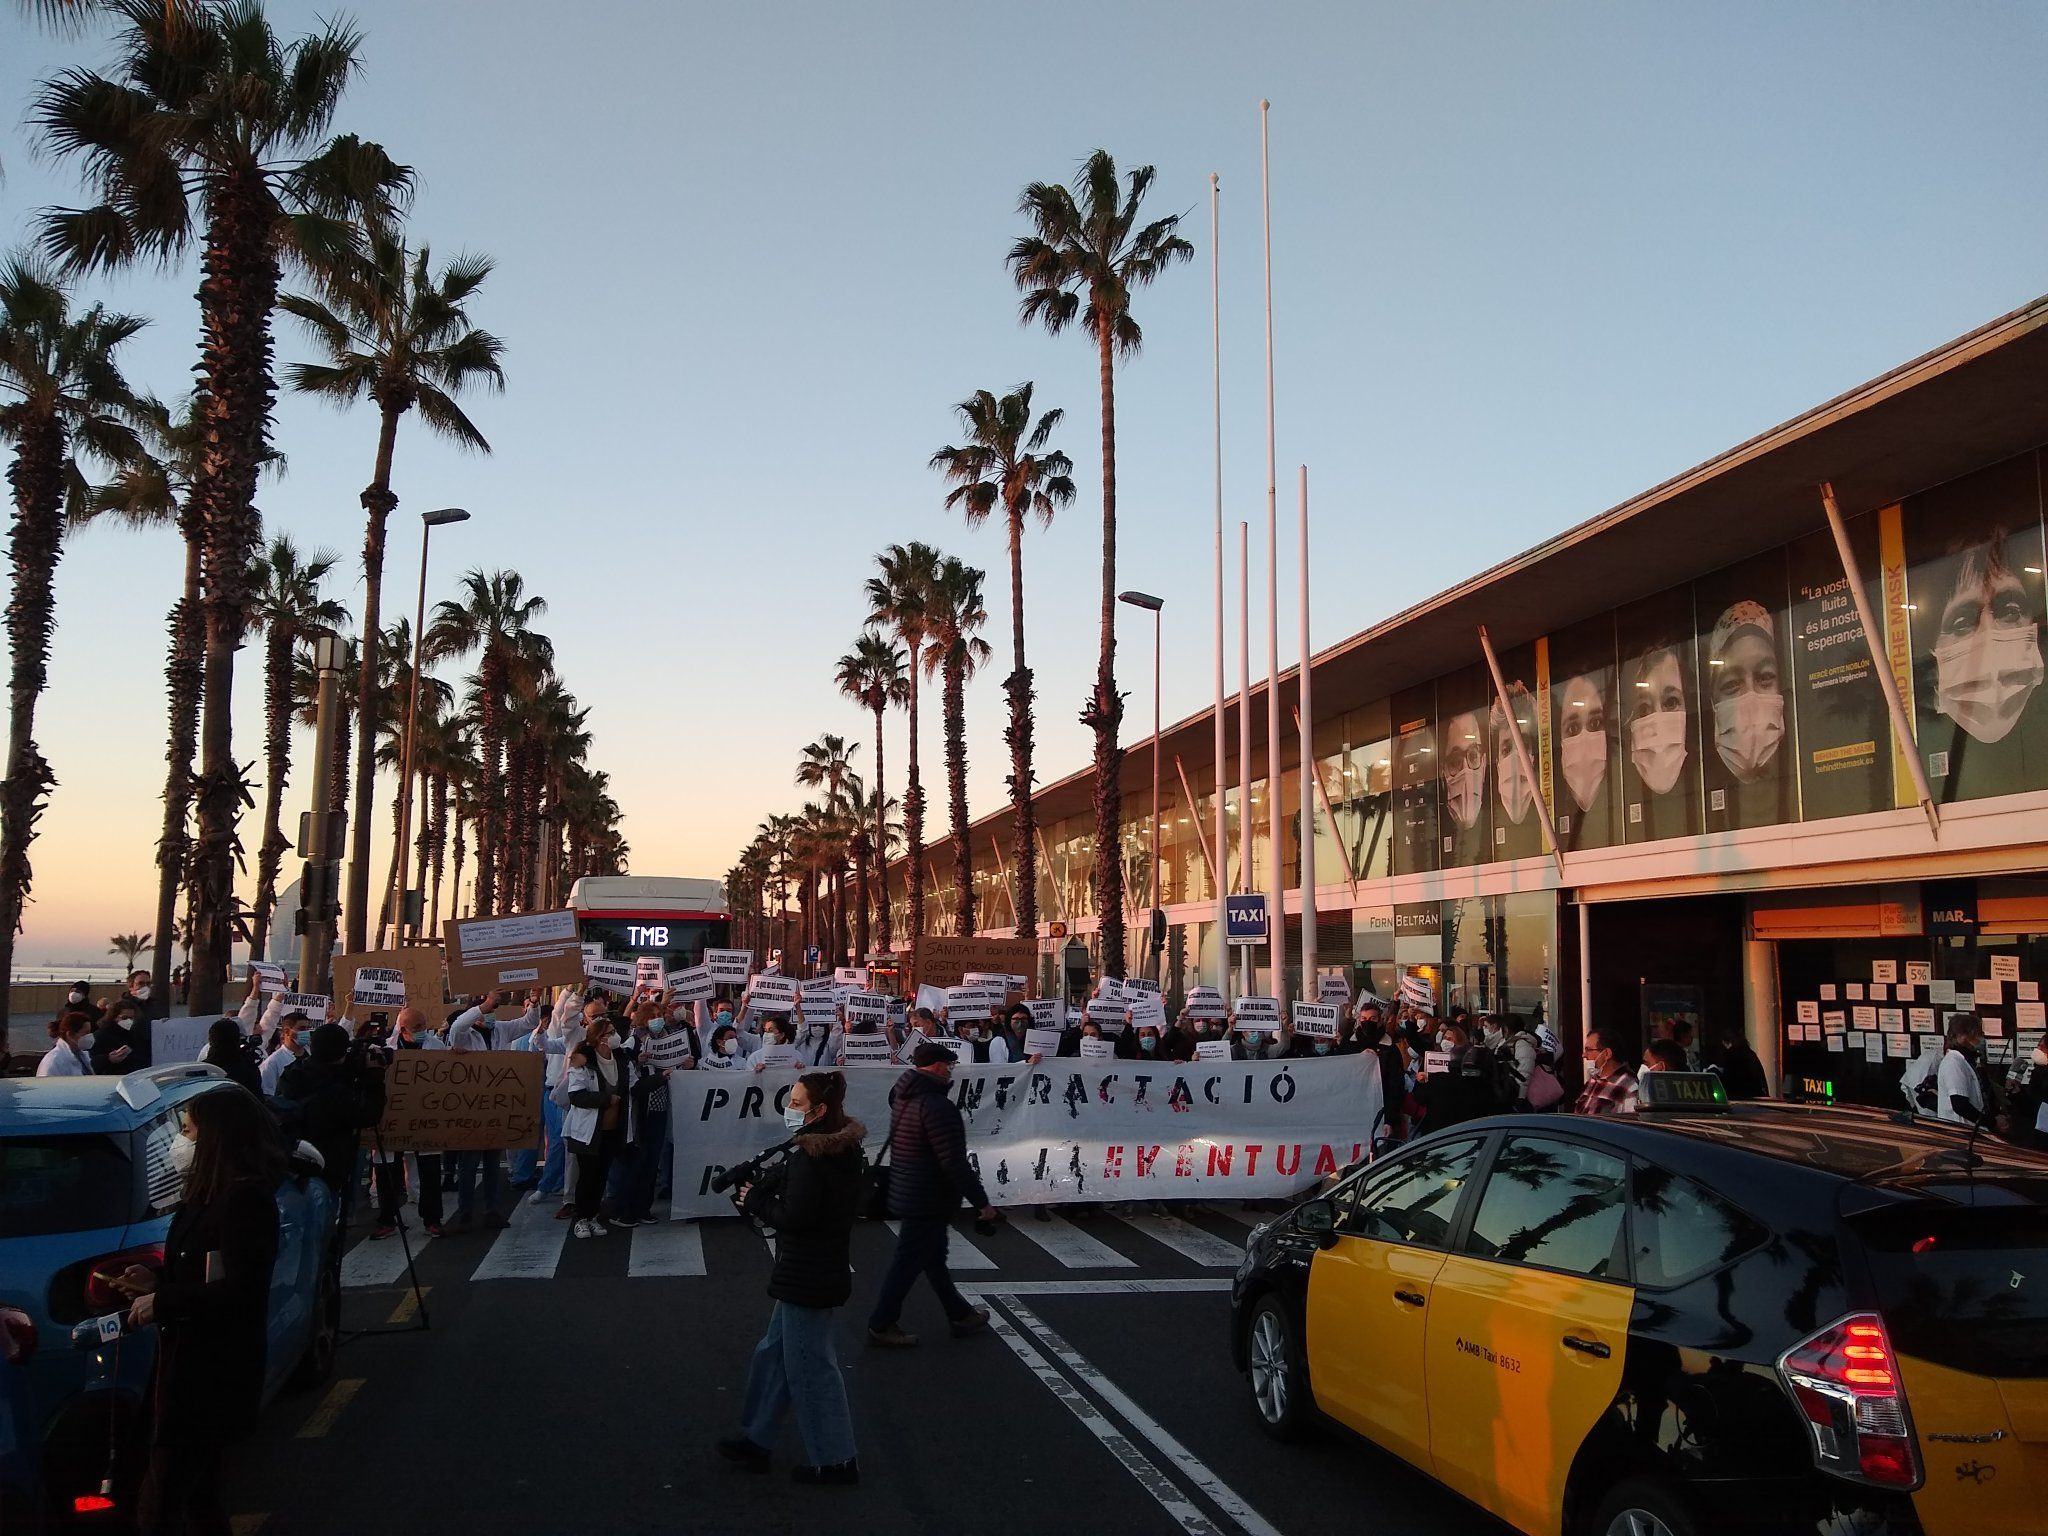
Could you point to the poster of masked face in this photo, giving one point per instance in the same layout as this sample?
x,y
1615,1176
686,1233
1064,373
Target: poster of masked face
x,y
1415,781
1974,583
1843,729
1463,759
1512,787
1747,758
1660,759
1585,771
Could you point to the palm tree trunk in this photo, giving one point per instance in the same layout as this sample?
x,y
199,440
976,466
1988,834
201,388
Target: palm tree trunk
x,y
491,730
378,502
1105,708
860,898
455,885
440,845
387,909
277,751
181,684
1018,686
913,829
37,475
956,797
237,295
337,765
881,854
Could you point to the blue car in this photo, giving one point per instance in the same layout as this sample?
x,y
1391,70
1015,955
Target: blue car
x,y
86,1186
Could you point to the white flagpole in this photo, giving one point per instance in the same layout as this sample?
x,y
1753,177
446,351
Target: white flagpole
x,y
1276,850
1307,726
1244,725
1219,868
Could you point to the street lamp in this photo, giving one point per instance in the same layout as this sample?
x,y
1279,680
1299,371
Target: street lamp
x,y
395,903
316,883
1152,605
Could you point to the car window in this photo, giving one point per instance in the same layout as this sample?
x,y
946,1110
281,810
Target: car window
x,y
160,1179
1679,1229
64,1184
1553,1203
1414,1199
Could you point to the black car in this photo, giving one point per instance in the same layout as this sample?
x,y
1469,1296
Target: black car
x,y
1754,1317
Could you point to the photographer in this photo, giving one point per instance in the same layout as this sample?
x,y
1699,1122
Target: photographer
x,y
808,1198
339,1091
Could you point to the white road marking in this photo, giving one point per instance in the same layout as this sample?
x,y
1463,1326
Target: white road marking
x,y
1205,1248
960,1253
528,1249
1169,1497
1213,1487
381,1263
1106,1286
1069,1244
667,1248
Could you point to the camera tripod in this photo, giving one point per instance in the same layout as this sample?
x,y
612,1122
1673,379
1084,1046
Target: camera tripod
x,y
412,1274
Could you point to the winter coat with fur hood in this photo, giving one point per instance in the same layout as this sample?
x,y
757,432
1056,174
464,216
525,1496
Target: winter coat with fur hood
x,y
809,1199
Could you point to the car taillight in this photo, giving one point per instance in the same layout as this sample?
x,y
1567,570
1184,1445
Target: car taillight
x,y
1845,1381
102,1297
17,1335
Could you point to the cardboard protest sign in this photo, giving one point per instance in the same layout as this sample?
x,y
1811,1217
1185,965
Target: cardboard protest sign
x,y
462,1101
1047,1012
378,987
270,978
772,994
775,1056
1316,1021
612,975
729,967
312,1004
530,950
420,964
867,1008
649,972
692,984
946,962
1097,1050
867,1050
1212,1050
671,1048
1042,1042
1259,1014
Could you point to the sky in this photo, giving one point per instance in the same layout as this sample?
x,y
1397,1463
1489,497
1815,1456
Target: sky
x,y
1527,261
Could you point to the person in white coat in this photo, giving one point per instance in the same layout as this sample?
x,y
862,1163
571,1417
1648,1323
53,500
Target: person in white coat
x,y
1958,1091
288,1050
596,1091
70,1049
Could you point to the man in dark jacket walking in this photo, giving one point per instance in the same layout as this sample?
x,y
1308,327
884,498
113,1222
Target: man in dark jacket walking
x,y
929,1176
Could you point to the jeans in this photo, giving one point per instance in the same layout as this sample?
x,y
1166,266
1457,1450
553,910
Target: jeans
x,y
524,1168
920,1250
796,1364
591,1168
644,1166
467,1166
553,1166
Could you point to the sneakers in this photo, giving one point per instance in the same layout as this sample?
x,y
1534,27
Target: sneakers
x,y
581,1229
625,1221
381,1233
971,1324
839,1474
893,1336
543,1196
597,1226
435,1229
744,1454
565,1213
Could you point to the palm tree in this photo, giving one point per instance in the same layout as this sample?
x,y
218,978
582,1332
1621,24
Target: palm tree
x,y
211,130
872,675
128,946
1087,244
287,609
400,337
62,398
956,654
897,601
1003,463
495,619
827,763
391,699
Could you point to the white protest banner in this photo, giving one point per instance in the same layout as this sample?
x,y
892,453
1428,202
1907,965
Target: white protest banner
x,y
1071,1131
1316,1021
1042,1042
1260,1014
312,1004
1047,1012
692,984
867,1008
1418,992
1212,1050
855,976
1204,1003
649,972
775,1056
864,1051
270,978
612,975
376,987
772,994
729,967
175,1040
670,1048
1097,1050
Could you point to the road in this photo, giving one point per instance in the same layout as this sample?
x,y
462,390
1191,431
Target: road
x,y
576,1386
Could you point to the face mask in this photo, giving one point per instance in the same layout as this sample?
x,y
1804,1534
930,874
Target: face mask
x,y
1747,730
85,1040
1657,748
970,1034
77,997
725,1047
657,1026
1983,680
1147,1044
1517,793
793,1119
141,993
1585,765
1322,1047
1592,1066
183,1150
725,1015
1462,788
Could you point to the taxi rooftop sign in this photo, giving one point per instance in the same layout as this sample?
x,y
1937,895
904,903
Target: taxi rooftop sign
x,y
1682,1090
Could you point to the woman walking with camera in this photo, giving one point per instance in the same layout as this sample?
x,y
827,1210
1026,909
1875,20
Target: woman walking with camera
x,y
808,1198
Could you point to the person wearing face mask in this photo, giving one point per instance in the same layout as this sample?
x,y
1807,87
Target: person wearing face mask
x,y
79,1000
1610,1088
808,1199
634,1205
600,1125
818,1035
285,1048
209,1303
1746,691
723,1051
119,1043
1583,752
228,1048
1659,711
1462,764
1985,656
1958,1089
70,1052
1007,1043
1517,829
148,1005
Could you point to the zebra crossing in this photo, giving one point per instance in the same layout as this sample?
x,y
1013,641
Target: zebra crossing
x,y
1099,1240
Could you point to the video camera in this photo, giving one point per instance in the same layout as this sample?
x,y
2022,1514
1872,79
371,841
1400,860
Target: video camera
x,y
751,1170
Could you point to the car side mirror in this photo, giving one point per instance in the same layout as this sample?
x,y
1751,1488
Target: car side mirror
x,y
1318,1218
